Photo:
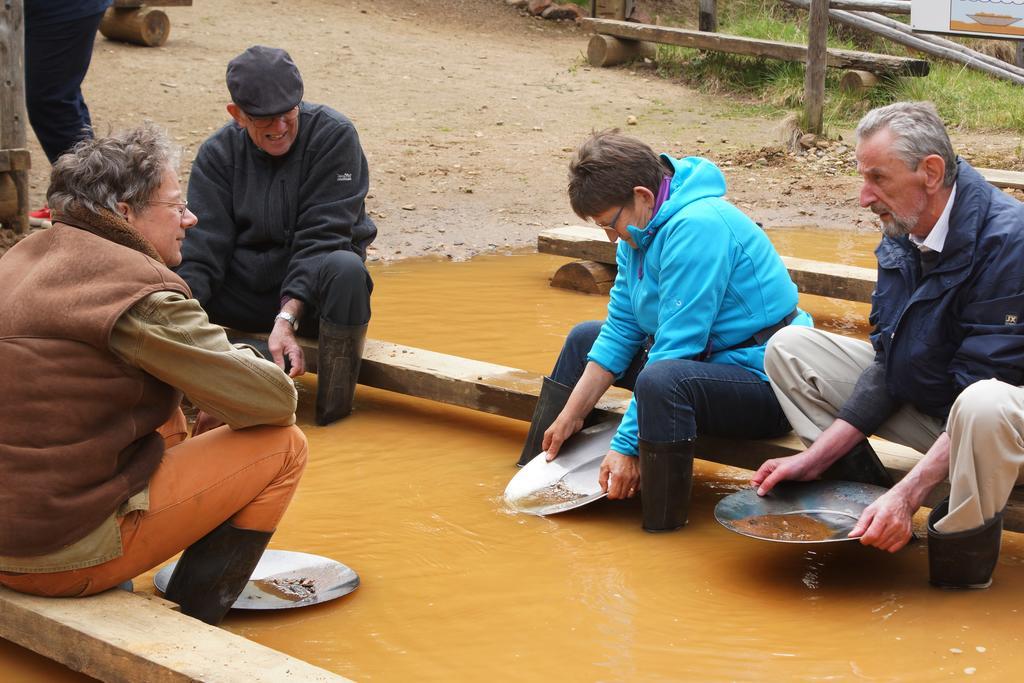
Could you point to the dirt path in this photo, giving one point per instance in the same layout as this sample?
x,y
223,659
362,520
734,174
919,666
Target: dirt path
x,y
468,111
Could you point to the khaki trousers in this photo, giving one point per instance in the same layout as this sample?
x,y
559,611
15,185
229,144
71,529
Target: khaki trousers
x,y
814,373
246,477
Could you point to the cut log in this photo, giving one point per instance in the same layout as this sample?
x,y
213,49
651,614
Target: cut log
x,y
123,637
510,392
856,82
793,52
610,51
851,283
589,277
143,26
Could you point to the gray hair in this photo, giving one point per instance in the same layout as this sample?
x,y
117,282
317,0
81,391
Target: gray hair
x,y
917,132
124,167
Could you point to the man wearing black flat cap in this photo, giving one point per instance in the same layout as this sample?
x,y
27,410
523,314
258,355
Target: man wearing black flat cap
x,y
283,229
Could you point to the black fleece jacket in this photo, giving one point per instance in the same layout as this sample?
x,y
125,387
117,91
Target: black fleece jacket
x,y
266,222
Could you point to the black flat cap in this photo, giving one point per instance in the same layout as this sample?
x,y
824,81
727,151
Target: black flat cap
x,y
264,81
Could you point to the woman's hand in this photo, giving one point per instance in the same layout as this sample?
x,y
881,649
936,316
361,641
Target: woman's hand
x,y
564,426
619,475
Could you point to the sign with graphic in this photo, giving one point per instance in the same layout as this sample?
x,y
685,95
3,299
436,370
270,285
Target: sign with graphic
x,y
981,18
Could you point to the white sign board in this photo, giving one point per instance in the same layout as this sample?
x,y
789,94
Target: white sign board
x,y
981,18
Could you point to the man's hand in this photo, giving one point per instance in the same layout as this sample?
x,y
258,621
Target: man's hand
x,y
619,475
800,467
564,426
282,343
204,423
886,523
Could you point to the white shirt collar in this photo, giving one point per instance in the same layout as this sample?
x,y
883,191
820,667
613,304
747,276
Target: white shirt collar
x,y
936,239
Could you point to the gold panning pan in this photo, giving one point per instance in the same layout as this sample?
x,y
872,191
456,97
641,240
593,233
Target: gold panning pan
x,y
798,511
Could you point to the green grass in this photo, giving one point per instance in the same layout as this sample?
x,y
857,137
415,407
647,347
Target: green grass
x,y
967,99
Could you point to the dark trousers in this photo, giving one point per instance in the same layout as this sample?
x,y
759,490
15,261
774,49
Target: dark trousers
x,y
679,399
57,58
342,296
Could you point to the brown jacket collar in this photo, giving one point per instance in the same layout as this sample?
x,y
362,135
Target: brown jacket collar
x,y
108,225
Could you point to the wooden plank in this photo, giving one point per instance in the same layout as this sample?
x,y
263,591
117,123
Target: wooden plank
x,y
510,392
793,52
123,637
15,160
850,283
1008,180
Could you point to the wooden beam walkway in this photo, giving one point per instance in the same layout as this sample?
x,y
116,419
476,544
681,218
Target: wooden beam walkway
x,y
511,392
124,637
851,283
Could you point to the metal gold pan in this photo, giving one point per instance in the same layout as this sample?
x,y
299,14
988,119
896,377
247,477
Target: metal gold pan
x,y
568,481
798,512
284,579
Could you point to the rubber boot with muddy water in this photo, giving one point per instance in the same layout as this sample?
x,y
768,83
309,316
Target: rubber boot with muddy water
x,y
666,480
337,371
213,571
553,397
860,464
963,559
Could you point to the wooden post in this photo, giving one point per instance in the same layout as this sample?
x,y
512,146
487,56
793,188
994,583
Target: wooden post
x,y
1018,53
814,82
707,19
144,26
13,119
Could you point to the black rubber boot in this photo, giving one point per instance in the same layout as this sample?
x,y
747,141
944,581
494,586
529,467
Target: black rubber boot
x,y
963,559
337,369
860,464
666,479
553,397
213,571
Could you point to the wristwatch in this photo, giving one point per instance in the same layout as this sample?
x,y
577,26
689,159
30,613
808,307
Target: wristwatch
x,y
288,318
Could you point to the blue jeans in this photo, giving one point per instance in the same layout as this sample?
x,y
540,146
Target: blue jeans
x,y
679,399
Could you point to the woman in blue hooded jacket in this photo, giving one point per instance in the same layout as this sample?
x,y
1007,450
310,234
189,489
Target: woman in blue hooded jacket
x,y
699,291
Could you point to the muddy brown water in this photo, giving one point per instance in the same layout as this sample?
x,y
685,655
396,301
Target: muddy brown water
x,y
406,492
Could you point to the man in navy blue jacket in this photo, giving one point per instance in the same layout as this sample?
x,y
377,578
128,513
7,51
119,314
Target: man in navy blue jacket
x,y
946,359
283,230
